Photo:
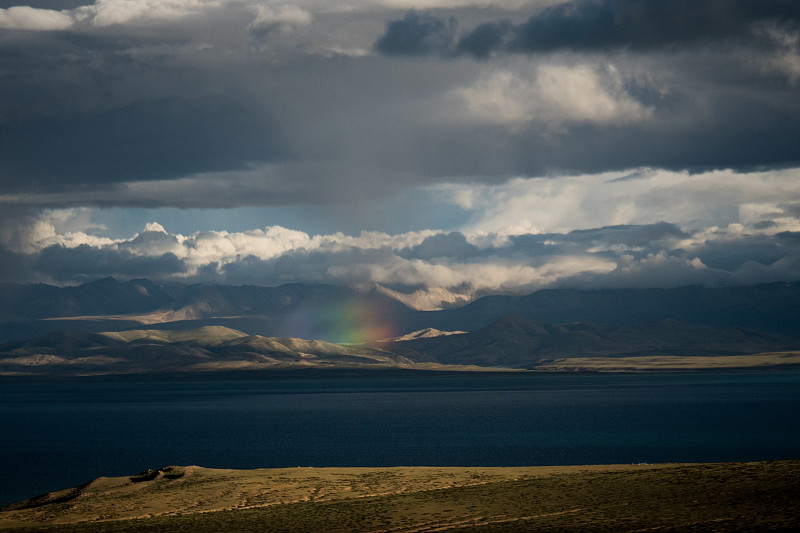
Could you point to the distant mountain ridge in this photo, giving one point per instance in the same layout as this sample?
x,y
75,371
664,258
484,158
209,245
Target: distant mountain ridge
x,y
313,310
103,297
520,343
111,297
509,343
771,307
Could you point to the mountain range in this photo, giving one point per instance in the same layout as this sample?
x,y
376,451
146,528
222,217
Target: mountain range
x,y
519,343
773,307
139,326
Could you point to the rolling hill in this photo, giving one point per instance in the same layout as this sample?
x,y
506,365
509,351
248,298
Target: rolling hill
x,y
510,343
213,348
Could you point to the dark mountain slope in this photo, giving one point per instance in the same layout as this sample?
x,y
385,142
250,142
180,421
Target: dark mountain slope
x,y
520,343
769,307
103,297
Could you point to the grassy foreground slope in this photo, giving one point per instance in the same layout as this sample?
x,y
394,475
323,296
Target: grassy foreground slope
x,y
704,497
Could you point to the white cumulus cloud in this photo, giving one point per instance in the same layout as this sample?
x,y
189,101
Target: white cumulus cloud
x,y
283,15
643,196
110,12
103,13
29,18
551,94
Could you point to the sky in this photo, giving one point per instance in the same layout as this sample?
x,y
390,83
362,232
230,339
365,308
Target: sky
x,y
470,146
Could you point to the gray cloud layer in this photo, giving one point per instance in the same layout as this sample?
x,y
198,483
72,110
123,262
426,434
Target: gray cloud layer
x,y
292,105
227,103
150,140
417,35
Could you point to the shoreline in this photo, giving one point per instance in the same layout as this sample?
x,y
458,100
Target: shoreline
x,y
306,373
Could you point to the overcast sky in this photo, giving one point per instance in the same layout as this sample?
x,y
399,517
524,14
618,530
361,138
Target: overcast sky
x,y
473,145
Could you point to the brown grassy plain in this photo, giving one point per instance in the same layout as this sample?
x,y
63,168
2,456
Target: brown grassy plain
x,y
694,497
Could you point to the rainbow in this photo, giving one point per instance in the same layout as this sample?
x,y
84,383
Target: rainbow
x,y
355,321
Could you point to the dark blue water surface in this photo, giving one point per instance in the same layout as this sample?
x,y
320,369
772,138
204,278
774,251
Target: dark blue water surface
x,y
57,435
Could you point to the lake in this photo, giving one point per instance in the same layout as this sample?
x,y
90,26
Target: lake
x,y
60,434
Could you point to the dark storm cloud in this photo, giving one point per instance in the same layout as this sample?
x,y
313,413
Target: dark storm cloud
x,y
46,4
147,140
711,108
15,267
487,38
765,224
749,128
86,263
452,245
417,34
345,265
730,256
744,132
639,240
90,108
644,24
724,258
587,25
609,241
632,235
789,238
182,111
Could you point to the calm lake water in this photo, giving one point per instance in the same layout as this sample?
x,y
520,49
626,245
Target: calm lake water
x,y
58,435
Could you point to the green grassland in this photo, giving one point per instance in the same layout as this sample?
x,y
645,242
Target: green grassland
x,y
701,497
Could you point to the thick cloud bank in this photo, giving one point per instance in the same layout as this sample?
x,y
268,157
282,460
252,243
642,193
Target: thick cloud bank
x,y
585,231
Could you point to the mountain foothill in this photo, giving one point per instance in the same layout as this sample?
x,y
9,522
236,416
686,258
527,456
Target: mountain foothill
x,y
138,327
